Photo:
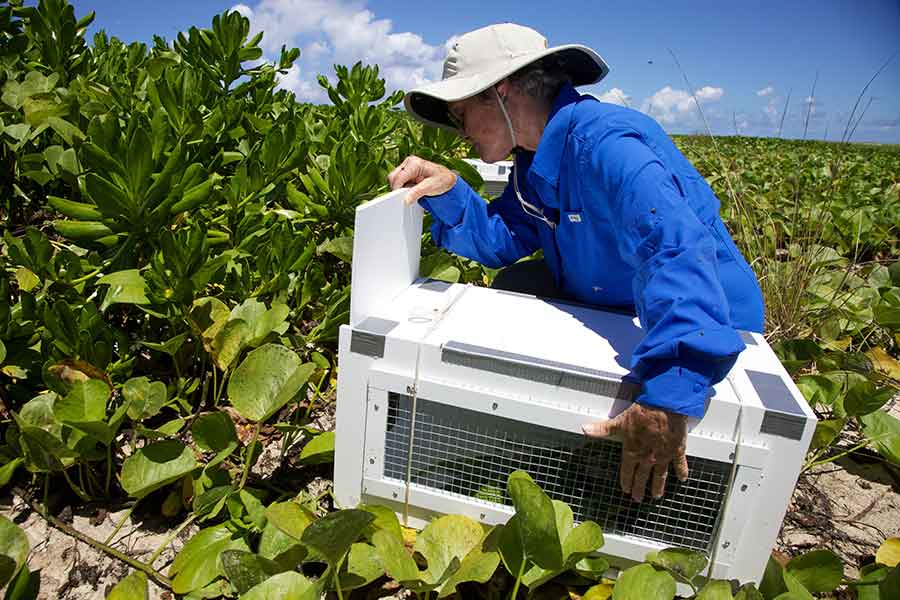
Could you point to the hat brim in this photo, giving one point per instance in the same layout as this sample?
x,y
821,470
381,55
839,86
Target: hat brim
x,y
429,102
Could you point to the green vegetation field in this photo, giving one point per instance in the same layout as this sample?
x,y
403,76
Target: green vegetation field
x,y
174,265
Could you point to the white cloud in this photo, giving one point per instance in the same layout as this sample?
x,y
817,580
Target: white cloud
x,y
672,106
709,94
766,91
615,96
343,32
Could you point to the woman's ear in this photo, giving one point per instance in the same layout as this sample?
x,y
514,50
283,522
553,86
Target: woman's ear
x,y
502,88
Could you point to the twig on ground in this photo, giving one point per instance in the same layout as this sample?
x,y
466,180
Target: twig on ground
x,y
152,573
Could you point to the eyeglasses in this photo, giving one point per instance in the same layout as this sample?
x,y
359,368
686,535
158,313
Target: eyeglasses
x,y
457,121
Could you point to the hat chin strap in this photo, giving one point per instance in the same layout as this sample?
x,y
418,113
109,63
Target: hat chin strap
x,y
529,208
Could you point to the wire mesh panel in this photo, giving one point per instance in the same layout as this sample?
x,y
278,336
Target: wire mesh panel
x,y
465,452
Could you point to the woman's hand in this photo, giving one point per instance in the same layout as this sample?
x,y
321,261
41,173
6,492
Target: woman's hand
x,y
424,178
652,439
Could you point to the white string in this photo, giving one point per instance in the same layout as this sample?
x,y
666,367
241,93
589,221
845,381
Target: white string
x,y
530,209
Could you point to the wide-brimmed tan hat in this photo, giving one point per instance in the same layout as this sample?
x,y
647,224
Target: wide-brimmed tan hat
x,y
479,59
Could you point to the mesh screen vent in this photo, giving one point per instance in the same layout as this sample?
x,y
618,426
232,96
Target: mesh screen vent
x,y
469,453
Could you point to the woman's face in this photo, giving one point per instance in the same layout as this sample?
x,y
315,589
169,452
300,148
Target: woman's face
x,y
482,123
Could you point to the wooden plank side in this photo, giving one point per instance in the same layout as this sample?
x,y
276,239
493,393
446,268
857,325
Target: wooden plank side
x,y
386,250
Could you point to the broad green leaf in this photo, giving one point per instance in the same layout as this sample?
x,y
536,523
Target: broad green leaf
x,y
284,586
26,279
683,563
584,539
865,398
132,587
748,591
890,587
592,567
796,590
385,519
170,346
67,131
85,403
14,549
319,450
439,265
715,590
145,398
155,466
536,521
818,571
333,534
24,586
40,108
266,380
341,247
278,546
827,431
643,582
208,503
229,342
361,567
255,509
444,543
889,552
510,546
262,322
601,591
884,430
772,583
214,432
196,565
9,469
246,570
290,518
478,565
819,390
397,562
209,315
2,351
125,287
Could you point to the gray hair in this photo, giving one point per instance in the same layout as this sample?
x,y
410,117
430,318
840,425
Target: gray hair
x,y
542,79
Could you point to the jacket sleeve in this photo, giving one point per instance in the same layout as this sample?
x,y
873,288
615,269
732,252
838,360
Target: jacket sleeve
x,y
689,343
495,234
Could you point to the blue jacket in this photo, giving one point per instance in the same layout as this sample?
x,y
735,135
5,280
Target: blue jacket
x,y
637,226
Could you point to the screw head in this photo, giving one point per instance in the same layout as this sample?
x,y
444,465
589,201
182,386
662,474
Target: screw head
x,y
494,406
371,460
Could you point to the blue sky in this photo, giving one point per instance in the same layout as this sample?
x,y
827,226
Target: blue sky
x,y
742,58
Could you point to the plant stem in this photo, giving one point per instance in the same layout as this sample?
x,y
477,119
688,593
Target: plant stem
x,y
169,539
120,523
515,590
108,468
155,575
337,578
249,456
75,488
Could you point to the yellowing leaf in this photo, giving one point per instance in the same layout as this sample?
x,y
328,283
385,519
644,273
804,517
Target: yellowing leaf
x,y
26,279
883,361
889,552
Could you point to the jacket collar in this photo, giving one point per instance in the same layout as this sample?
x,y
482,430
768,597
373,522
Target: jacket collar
x,y
548,156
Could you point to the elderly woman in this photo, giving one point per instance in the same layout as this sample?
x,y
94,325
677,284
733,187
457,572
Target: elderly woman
x,y
622,217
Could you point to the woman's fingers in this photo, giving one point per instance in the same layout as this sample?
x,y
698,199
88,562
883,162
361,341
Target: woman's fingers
x,y
681,465
424,177
641,476
658,483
